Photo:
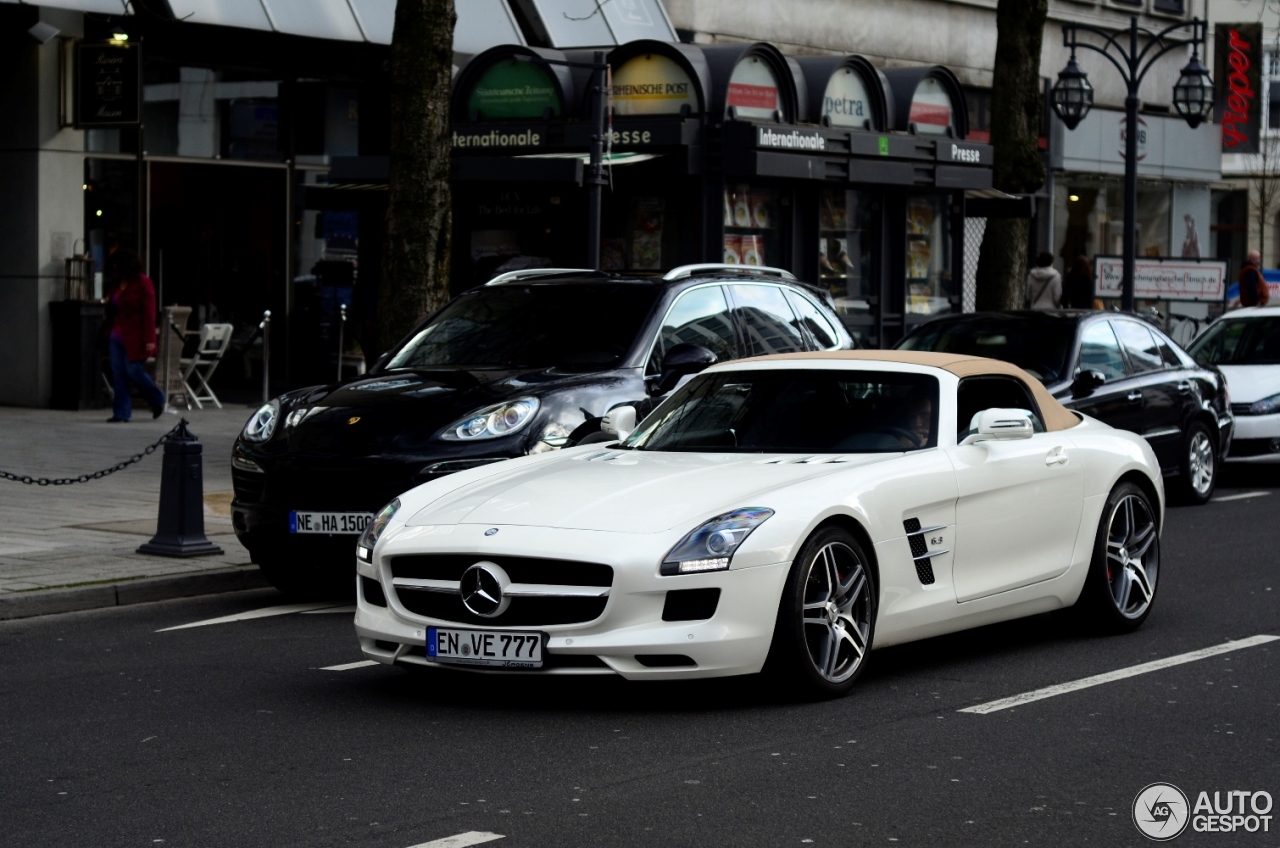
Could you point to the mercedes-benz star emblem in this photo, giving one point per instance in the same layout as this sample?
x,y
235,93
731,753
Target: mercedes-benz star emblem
x,y
483,588
491,531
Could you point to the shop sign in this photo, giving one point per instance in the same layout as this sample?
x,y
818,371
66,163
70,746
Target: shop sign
x,y
1238,72
790,139
1142,138
514,137
107,84
1164,278
845,103
965,154
931,108
652,85
753,90
513,89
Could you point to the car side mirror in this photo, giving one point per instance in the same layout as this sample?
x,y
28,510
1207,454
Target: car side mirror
x,y
619,421
1000,425
680,361
1087,382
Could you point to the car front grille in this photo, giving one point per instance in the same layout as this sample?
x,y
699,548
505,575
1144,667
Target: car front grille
x,y
319,485
248,485
1241,408
1255,447
445,604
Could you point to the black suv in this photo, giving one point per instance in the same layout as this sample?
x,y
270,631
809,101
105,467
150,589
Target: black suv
x,y
529,362
1114,367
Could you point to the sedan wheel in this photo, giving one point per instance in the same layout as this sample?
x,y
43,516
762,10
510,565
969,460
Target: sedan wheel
x,y
1199,465
1122,581
827,615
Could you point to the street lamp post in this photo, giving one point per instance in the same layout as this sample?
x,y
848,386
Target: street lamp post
x,y
1072,98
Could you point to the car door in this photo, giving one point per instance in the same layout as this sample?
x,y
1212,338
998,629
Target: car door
x,y
765,320
1164,390
1117,401
1019,501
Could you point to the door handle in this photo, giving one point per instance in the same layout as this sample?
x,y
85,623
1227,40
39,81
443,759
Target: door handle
x,y
1057,456
1134,396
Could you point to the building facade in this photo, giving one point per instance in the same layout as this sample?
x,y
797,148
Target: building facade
x,y
252,183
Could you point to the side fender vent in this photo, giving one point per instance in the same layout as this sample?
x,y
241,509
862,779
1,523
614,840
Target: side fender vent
x,y
920,553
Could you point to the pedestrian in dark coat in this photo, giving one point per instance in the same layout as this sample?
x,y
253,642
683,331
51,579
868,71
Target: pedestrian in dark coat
x,y
132,307
1077,288
1253,286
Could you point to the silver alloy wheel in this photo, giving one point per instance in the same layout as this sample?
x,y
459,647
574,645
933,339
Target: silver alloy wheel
x,y
1133,557
836,612
1200,462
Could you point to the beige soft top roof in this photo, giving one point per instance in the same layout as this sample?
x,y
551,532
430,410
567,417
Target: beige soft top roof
x,y
1056,416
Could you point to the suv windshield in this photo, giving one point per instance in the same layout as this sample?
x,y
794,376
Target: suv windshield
x,y
1041,348
573,327
796,411
1240,341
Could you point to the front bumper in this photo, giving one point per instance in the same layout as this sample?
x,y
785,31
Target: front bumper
x,y
734,640
1257,439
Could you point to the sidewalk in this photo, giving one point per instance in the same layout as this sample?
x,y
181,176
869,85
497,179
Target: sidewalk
x,y
57,541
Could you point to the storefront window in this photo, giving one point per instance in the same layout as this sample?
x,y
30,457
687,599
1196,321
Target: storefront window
x,y
846,246
751,226
928,261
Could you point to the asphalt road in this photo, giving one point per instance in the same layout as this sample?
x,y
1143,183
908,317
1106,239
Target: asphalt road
x,y
113,734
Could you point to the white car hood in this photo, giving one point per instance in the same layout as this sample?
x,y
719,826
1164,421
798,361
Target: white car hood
x,y
1249,383
628,491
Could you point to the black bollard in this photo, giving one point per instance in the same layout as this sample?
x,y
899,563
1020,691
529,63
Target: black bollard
x,y
180,528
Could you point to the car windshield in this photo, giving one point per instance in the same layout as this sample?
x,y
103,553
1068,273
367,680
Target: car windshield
x,y
572,327
1240,341
795,411
1041,348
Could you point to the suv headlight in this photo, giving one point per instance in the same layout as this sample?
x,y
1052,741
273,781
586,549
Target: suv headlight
x,y
369,538
711,546
1266,406
262,423
491,422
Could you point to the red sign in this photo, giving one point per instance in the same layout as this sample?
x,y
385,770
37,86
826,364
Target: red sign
x,y
1238,59
753,96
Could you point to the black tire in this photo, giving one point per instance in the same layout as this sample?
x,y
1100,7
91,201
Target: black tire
x,y
847,622
1198,465
1106,602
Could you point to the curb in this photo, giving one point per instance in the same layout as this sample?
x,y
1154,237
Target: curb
x,y
52,601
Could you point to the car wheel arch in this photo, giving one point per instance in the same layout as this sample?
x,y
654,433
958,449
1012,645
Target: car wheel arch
x,y
1148,487
851,524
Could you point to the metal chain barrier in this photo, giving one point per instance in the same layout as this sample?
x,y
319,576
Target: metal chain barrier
x,y
97,475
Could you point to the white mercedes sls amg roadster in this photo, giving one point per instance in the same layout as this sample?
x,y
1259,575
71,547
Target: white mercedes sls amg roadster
x,y
786,514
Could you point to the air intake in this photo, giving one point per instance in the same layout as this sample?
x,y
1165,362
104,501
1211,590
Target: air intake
x,y
920,553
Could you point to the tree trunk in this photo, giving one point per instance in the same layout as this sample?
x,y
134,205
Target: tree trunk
x,y
1016,107
415,257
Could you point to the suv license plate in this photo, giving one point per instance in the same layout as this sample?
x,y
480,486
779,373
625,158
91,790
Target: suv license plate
x,y
344,523
502,649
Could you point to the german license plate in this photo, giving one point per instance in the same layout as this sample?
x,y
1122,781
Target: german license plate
x,y
346,523
504,649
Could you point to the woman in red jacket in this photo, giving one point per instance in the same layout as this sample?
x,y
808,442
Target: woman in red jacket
x,y
133,337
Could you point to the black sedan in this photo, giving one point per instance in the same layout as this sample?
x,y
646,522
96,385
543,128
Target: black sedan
x,y
1114,367
530,362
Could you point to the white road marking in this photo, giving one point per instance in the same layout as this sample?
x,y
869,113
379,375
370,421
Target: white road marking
x,y
1240,497
330,609
462,840
348,667
1118,674
265,612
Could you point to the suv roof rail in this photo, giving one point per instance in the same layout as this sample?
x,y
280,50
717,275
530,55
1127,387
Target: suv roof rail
x,y
525,273
714,267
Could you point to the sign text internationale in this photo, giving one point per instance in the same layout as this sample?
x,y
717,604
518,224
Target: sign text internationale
x,y
793,140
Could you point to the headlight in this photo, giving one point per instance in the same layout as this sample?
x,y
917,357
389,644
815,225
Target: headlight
x,y
262,423
711,546
369,538
1266,406
501,419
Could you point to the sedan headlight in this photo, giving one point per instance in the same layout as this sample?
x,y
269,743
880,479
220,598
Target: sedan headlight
x,y
501,419
1266,406
369,538
262,423
711,546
